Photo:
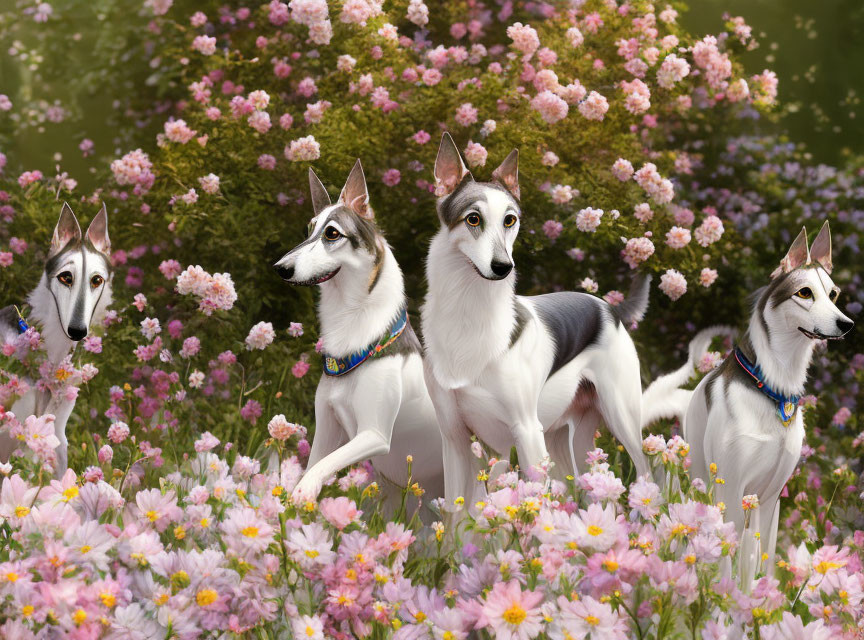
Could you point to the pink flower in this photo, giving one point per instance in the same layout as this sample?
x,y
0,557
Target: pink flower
x,y
673,70
118,432
205,45
421,137
673,284
552,229
710,231
170,269
340,512
643,213
391,177
594,107
300,369
93,344
843,414
466,114
29,177
637,251
209,184
587,616
550,107
251,411
295,329
524,38
207,442
588,219
622,169
266,162
707,277
260,336
6,258
637,96
178,131
303,150
562,193
280,429
510,613
678,237
476,154
105,454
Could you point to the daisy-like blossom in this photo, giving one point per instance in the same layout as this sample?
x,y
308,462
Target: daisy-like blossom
x,y
588,219
340,512
673,284
150,327
645,498
511,613
245,532
587,617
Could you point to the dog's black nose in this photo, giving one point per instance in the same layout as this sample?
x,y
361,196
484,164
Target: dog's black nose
x,y
285,272
845,325
501,269
77,333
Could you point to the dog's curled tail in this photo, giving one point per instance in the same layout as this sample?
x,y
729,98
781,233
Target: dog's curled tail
x,y
634,306
663,398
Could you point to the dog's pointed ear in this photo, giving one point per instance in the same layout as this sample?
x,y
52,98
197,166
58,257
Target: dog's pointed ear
x,y
355,195
97,232
507,174
798,255
820,252
449,167
67,230
320,197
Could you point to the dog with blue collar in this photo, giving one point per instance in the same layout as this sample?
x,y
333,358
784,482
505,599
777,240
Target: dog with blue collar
x,y
371,402
744,417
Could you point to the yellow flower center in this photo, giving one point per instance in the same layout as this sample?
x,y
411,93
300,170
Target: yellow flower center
x,y
12,576
277,491
515,615
206,597
161,599
108,599
610,565
79,617
152,515
312,553
449,635
594,530
824,567
592,620
70,493
179,532
27,610
419,616
85,549
250,532
204,522
691,559
21,511
309,631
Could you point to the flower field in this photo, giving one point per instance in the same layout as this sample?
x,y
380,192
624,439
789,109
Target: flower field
x,y
643,148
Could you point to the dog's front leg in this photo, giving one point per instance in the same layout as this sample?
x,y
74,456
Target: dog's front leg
x,y
374,406
460,465
61,409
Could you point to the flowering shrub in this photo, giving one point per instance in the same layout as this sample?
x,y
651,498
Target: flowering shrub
x,y
640,149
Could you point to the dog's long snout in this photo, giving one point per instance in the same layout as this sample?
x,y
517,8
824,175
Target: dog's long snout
x,y
845,326
501,269
286,272
77,333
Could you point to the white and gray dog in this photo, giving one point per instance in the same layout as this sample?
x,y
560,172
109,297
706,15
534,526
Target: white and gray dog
x,y
74,291
538,373
744,416
371,401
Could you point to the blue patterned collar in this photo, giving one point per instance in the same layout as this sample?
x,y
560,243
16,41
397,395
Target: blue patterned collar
x,y
340,366
786,405
22,323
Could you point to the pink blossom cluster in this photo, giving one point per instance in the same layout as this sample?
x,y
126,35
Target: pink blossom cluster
x,y
214,292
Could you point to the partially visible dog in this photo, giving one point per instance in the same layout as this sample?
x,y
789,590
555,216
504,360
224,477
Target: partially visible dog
x,y
538,373
744,416
371,402
74,291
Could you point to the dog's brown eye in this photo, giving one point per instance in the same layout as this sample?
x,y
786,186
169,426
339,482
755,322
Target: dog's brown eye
x,y
834,295
509,220
332,233
473,219
96,281
65,278
804,293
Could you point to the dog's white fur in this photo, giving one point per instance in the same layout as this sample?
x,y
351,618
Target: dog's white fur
x,y
63,312
482,382
381,410
731,423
